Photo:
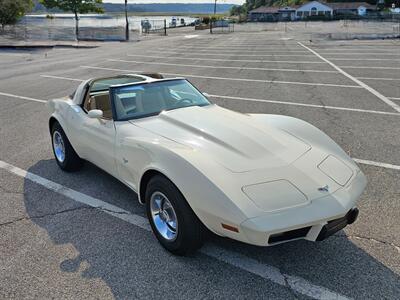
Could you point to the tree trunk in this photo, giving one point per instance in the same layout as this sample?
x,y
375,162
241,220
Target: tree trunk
x,y
76,26
127,21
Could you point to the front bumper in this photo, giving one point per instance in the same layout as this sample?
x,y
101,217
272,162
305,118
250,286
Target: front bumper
x,y
316,221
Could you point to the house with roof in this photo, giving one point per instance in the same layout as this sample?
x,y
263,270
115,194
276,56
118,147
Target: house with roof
x,y
352,8
309,9
273,13
314,8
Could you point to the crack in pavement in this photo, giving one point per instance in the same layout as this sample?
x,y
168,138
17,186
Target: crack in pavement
x,y
359,237
83,207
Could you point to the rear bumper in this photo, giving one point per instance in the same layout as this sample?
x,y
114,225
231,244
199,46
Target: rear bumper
x,y
314,222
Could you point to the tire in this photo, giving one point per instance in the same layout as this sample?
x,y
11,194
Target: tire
x,y
190,232
69,161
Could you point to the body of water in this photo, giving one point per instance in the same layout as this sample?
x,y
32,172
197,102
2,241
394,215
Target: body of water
x,y
101,21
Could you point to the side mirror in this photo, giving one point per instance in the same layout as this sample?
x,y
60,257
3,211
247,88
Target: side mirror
x,y
95,114
206,95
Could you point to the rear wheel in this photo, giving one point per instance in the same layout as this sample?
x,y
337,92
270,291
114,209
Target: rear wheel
x,y
174,223
66,157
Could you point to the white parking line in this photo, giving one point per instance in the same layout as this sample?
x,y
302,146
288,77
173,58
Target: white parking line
x,y
229,60
365,59
368,67
232,79
219,53
277,52
377,78
377,164
274,101
57,77
362,84
308,105
235,259
219,67
22,97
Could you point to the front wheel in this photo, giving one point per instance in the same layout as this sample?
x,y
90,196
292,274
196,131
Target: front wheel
x,y
174,223
66,157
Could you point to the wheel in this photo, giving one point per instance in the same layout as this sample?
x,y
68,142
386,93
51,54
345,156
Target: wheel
x,y
65,155
174,223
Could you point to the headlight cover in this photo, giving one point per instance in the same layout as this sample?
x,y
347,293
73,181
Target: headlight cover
x,y
275,195
337,170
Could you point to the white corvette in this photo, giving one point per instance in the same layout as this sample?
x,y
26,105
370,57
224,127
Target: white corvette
x,y
256,178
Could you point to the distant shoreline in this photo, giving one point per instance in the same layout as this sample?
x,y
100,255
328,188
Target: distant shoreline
x,y
131,14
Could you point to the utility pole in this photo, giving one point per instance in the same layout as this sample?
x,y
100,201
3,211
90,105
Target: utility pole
x,y
215,7
127,21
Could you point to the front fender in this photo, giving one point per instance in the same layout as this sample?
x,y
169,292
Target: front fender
x,y
180,165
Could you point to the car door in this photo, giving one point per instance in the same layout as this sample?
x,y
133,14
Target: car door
x,y
99,134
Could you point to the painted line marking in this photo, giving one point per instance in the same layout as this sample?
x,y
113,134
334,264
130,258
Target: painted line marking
x,y
382,78
56,77
365,59
22,97
237,260
230,60
276,101
360,53
226,54
377,164
362,84
394,98
233,79
219,67
364,67
307,105
278,50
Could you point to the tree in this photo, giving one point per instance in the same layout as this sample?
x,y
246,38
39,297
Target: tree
x,y
76,7
12,10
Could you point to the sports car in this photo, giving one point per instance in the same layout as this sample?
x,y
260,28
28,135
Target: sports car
x,y
261,179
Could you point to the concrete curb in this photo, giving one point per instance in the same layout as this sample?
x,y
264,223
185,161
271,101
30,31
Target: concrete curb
x,y
45,46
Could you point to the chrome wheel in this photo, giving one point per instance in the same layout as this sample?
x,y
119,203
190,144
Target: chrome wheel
x,y
164,216
58,145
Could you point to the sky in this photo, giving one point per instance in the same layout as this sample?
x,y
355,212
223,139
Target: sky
x,y
177,1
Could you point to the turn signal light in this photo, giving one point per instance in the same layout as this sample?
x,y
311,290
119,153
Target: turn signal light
x,y
229,227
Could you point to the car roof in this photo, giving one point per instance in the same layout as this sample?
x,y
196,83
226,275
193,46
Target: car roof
x,y
146,78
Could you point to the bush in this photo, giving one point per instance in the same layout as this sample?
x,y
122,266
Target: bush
x,y
12,10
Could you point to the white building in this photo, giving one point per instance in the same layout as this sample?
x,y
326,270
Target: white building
x,y
313,8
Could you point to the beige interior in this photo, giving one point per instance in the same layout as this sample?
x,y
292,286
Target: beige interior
x,y
102,102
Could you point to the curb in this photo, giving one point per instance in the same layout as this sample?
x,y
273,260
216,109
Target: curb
x,y
11,46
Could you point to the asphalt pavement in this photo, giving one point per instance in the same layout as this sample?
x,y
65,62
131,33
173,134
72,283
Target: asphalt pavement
x,y
54,245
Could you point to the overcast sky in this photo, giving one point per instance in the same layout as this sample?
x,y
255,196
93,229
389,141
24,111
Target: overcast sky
x,y
176,1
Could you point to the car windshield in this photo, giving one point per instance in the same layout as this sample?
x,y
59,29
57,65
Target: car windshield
x,y
149,99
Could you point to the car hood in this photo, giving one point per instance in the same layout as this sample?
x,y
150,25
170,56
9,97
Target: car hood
x,y
235,141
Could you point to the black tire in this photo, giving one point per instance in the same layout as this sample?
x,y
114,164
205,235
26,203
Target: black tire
x,y
72,161
190,233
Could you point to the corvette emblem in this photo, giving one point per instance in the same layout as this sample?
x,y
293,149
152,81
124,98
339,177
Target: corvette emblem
x,y
324,189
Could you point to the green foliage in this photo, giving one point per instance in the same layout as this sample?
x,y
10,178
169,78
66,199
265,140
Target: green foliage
x,y
12,10
75,6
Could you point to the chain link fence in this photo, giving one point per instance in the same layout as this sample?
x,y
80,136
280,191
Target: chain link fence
x,y
154,27
221,26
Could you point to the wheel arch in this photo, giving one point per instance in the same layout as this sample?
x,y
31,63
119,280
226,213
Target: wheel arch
x,y
145,179
52,121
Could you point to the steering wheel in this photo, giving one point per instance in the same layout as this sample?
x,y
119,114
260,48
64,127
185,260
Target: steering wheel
x,y
183,101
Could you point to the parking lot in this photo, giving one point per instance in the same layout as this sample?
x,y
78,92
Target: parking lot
x,y
84,235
